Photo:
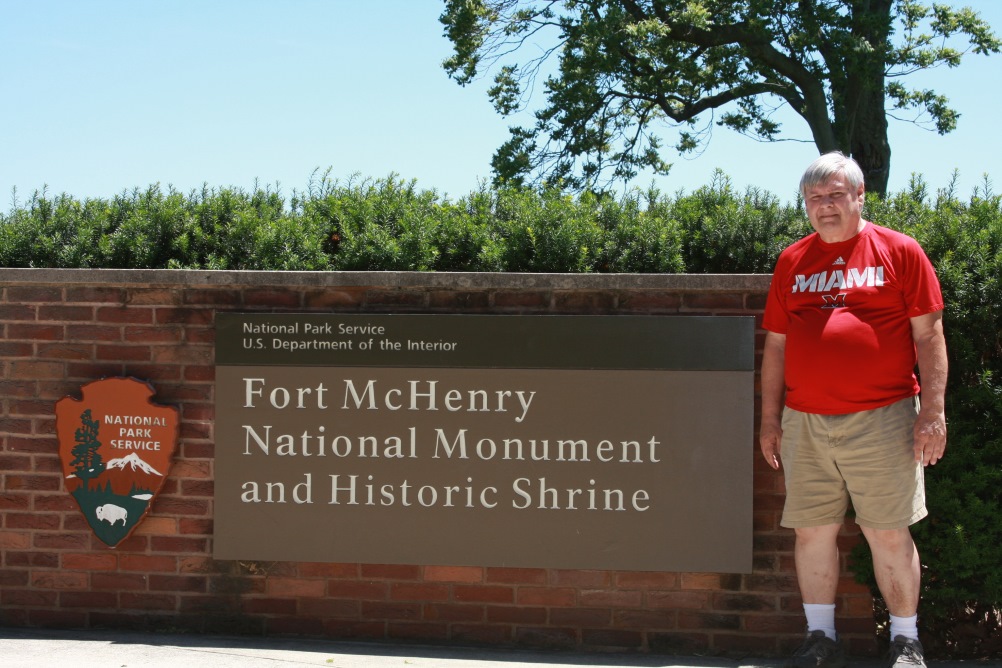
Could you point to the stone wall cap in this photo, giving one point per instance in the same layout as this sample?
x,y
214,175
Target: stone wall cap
x,y
197,278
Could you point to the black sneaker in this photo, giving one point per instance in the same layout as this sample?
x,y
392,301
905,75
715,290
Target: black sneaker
x,y
905,653
818,651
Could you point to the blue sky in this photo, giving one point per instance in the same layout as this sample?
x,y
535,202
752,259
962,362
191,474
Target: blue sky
x,y
102,96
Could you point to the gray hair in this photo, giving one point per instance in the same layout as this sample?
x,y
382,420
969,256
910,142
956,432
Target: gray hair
x,y
829,165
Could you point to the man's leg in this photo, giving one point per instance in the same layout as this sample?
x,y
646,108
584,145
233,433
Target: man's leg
x,y
815,492
898,572
816,558
897,569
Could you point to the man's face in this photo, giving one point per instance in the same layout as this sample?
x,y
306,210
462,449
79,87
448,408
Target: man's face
x,y
835,209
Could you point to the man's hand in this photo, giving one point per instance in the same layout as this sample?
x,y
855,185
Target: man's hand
x,y
770,432
930,437
770,438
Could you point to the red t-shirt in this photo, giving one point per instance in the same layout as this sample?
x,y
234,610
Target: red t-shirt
x,y
845,311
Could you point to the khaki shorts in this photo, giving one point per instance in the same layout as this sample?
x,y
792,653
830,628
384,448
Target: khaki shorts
x,y
864,457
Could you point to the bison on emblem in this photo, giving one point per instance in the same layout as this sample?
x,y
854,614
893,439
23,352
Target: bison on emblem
x,y
111,513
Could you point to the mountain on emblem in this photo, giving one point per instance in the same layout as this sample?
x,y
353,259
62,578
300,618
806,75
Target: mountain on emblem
x,y
135,463
113,444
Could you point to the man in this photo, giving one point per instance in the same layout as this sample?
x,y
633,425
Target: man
x,y
851,310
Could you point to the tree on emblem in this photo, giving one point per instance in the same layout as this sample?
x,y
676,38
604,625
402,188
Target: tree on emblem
x,y
86,458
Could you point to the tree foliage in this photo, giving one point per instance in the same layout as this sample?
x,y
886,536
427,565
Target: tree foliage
x,y
625,68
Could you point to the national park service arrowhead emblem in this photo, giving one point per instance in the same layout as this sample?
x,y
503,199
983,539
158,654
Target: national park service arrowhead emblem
x,y
116,447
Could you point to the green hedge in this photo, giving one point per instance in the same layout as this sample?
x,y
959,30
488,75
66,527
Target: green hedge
x,y
390,224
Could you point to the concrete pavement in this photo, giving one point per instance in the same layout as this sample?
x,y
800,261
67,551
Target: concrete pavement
x,y
35,648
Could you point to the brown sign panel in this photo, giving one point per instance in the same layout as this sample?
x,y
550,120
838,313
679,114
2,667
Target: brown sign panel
x,y
611,466
116,446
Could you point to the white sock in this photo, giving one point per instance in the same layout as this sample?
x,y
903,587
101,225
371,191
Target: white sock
x,y
821,617
904,626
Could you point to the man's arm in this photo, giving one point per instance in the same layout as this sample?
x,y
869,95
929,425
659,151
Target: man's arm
x,y
770,433
930,426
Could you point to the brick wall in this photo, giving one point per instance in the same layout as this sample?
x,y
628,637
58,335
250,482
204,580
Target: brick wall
x,y
64,328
